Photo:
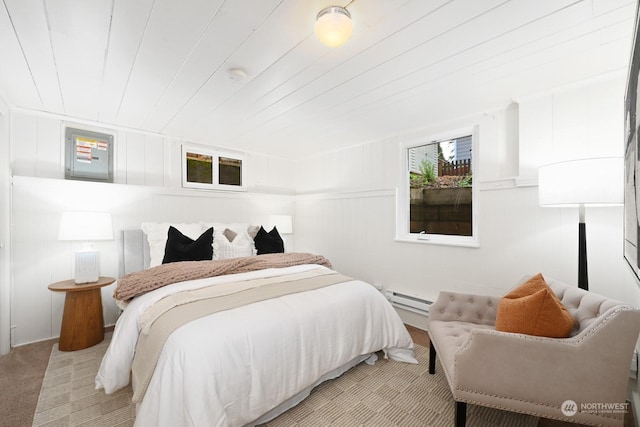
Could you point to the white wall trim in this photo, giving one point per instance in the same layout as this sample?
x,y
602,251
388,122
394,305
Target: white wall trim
x,y
68,120
498,184
183,192
507,183
5,232
611,75
352,194
413,319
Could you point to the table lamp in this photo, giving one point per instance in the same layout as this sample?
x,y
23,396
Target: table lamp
x,y
584,182
86,227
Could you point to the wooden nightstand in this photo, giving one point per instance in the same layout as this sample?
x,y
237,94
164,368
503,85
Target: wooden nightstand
x,y
82,322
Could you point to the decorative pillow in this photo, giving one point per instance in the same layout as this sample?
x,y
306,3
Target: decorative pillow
x,y
156,233
534,309
236,227
241,245
223,238
268,243
253,230
182,248
229,234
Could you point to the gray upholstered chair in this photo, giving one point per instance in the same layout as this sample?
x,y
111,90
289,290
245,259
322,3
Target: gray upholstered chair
x,y
536,375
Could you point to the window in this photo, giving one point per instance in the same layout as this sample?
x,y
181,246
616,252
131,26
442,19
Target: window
x,y
436,203
208,168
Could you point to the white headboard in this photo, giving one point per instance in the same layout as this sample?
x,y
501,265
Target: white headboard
x,y
135,252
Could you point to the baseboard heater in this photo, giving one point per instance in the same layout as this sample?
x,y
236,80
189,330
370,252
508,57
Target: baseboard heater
x,y
409,302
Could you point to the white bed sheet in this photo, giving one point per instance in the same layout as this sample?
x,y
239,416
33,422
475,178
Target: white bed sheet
x,y
230,368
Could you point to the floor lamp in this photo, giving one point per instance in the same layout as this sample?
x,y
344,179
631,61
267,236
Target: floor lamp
x,y
584,182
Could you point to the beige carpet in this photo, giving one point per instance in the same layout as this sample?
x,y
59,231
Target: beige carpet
x,y
385,394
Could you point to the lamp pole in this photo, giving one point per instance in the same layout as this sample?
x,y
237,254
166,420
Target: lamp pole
x,y
583,279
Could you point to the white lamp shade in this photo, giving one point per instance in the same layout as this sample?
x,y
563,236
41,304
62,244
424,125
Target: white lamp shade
x,y
85,226
597,181
283,223
334,26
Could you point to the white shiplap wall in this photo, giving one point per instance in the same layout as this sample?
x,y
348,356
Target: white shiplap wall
x,y
5,226
147,188
348,210
344,207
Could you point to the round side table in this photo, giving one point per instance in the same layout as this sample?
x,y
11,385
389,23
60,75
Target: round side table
x,y
82,322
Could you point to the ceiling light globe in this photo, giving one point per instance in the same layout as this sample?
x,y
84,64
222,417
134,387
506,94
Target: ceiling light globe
x,y
334,26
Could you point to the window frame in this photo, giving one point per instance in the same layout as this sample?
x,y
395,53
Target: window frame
x,y
215,154
403,193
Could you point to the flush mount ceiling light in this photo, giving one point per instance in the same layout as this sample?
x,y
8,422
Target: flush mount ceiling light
x,y
334,26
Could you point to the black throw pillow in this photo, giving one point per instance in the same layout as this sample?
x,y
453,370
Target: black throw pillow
x,y
182,248
268,243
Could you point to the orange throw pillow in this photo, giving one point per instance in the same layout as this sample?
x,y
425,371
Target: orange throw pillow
x,y
534,309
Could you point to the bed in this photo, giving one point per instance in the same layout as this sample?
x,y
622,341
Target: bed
x,y
251,358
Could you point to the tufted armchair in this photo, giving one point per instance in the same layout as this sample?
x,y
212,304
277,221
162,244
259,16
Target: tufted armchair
x,y
537,375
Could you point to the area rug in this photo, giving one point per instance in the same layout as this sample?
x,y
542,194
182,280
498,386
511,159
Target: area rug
x,y
68,396
385,394
391,394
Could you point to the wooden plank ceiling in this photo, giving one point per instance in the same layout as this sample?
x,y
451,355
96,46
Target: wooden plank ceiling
x,y
163,65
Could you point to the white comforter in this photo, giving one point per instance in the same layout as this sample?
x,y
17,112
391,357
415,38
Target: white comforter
x,y
230,368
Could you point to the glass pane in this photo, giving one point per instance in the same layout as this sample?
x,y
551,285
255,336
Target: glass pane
x,y
230,171
199,168
440,181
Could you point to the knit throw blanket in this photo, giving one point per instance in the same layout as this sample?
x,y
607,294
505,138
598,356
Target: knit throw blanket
x,y
141,282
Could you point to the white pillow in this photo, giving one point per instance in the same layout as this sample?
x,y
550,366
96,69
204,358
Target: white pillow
x,y
237,227
156,233
241,246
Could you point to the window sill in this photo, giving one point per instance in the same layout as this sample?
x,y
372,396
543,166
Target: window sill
x,y
466,242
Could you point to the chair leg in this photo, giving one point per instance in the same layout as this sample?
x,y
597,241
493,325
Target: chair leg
x,y
432,358
461,414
